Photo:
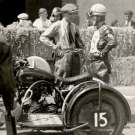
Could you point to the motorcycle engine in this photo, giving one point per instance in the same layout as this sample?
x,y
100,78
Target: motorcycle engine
x,y
43,99
35,70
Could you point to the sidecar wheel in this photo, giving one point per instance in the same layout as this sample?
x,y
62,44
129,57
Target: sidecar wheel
x,y
109,120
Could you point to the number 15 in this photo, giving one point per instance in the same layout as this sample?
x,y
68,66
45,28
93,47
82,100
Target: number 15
x,y
98,117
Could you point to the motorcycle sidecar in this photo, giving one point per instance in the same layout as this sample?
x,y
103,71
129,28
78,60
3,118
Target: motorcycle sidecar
x,y
103,108
89,108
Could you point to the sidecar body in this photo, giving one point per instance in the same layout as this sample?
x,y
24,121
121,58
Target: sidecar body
x,y
89,107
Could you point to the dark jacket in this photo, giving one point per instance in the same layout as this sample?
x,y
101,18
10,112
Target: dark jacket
x,y
7,83
99,65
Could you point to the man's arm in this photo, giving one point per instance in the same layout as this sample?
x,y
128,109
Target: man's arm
x,y
110,39
49,33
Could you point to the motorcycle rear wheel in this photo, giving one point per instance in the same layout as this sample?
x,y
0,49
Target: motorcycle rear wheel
x,y
111,114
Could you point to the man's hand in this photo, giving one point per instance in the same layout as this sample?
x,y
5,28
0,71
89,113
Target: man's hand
x,y
99,54
46,41
57,46
54,47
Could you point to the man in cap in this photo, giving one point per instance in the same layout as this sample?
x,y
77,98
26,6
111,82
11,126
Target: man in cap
x,y
67,39
42,23
88,20
55,15
24,20
128,19
101,44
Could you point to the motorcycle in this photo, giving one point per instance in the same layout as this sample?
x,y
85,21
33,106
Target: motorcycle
x,y
76,105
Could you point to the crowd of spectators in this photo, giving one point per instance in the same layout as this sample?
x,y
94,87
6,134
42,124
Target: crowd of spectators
x,y
41,23
44,21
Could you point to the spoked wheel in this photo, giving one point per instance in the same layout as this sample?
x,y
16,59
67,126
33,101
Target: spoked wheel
x,y
107,119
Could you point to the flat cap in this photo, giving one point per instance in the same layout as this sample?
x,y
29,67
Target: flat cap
x,y
23,16
42,10
70,8
128,12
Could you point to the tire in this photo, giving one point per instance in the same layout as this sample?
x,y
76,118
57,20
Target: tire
x,y
86,107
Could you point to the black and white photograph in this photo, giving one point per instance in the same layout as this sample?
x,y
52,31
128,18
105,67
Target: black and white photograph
x,y
67,67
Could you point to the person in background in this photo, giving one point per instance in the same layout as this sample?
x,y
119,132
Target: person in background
x,y
128,19
42,23
115,23
102,42
67,39
55,15
88,20
24,20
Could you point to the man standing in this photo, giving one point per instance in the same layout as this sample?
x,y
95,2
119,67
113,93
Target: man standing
x,y
67,39
102,42
55,15
24,20
128,19
42,23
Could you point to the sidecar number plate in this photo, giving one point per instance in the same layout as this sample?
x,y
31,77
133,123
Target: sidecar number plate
x,y
100,119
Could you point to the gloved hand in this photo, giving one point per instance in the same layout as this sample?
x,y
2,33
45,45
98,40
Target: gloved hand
x,y
97,54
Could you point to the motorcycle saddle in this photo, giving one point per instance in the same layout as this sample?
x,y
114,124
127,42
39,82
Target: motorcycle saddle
x,y
75,79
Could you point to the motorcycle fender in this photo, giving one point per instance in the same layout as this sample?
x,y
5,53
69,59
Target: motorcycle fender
x,y
121,98
87,87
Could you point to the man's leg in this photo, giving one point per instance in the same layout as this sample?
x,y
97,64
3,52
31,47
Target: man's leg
x,y
10,120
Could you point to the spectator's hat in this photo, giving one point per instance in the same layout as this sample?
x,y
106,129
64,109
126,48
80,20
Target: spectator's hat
x,y
23,16
42,10
69,8
128,12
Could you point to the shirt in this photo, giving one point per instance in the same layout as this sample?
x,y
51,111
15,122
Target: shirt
x,y
130,23
103,40
41,25
94,42
59,31
127,23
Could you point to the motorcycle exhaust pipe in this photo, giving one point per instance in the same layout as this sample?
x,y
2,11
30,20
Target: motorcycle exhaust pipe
x,y
76,128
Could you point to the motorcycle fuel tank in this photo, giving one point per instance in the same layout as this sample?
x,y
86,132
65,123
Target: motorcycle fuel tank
x,y
38,69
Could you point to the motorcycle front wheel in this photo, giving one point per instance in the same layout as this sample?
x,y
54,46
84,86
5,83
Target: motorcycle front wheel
x,y
107,119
